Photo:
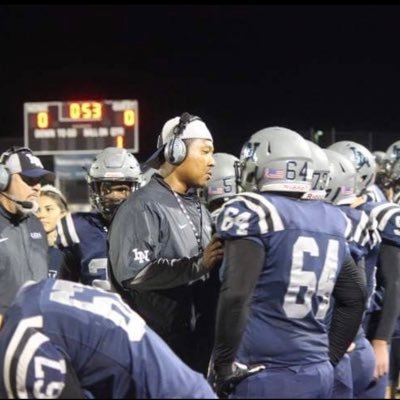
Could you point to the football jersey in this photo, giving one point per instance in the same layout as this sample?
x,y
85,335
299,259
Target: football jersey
x,y
85,234
364,242
365,235
305,246
388,217
374,193
113,352
55,259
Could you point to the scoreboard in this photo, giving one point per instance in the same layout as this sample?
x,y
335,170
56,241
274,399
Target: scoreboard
x,y
62,127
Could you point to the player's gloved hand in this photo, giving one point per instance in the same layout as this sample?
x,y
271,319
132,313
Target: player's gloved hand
x,y
228,376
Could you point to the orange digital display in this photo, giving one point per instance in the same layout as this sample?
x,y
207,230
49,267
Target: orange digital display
x,y
42,119
86,111
129,117
81,125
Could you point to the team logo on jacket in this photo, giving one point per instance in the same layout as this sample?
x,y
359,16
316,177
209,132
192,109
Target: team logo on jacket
x,y
141,256
36,235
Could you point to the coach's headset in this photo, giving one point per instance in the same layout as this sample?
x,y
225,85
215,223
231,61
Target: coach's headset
x,y
5,176
175,150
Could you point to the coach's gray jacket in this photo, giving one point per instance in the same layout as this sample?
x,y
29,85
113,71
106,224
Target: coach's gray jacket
x,y
154,254
23,254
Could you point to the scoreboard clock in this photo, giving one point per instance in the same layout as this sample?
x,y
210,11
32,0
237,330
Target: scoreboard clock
x,y
62,127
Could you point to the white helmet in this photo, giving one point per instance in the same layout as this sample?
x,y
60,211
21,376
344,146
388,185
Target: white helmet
x,y
113,164
276,159
362,159
321,173
379,157
393,151
342,183
223,183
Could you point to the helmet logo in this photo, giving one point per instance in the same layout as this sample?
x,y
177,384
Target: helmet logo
x,y
359,158
396,152
248,153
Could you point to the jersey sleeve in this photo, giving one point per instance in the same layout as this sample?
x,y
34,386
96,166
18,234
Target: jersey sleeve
x,y
388,220
33,366
248,214
364,234
67,231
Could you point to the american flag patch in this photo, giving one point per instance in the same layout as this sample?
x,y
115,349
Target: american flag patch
x,y
274,173
346,190
215,190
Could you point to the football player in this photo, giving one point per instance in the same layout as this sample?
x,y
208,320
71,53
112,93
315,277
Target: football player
x,y
223,183
62,339
114,174
365,240
284,259
384,307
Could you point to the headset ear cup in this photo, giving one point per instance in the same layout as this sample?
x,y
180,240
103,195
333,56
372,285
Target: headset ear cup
x,y
175,151
4,178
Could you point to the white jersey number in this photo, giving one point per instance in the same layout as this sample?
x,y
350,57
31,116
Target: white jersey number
x,y
299,278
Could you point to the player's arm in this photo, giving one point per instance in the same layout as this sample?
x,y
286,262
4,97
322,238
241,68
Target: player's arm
x,y
70,268
69,243
350,294
243,261
389,271
389,258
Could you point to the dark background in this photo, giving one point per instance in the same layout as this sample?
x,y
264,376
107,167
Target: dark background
x,y
241,68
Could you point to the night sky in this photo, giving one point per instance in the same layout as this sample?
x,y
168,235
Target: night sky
x,y
240,68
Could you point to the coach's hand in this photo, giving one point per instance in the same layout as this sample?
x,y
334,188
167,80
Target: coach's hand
x,y
213,253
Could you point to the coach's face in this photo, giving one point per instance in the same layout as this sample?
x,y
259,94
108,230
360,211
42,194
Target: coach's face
x,y
196,169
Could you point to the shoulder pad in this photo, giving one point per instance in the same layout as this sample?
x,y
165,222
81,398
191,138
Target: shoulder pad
x,y
248,214
67,231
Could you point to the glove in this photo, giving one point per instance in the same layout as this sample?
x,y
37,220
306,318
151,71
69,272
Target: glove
x,y
227,377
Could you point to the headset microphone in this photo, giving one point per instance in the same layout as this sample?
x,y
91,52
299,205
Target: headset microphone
x,y
27,205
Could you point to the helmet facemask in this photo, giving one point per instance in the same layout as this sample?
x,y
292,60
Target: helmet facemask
x,y
114,168
99,189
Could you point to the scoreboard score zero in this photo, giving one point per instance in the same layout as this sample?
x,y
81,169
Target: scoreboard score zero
x,y
62,127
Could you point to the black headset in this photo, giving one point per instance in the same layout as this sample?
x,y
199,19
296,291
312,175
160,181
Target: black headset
x,y
5,175
175,150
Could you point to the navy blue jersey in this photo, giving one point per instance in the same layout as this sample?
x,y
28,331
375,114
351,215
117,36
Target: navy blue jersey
x,y
305,246
388,217
56,260
115,355
365,235
85,234
374,193
396,198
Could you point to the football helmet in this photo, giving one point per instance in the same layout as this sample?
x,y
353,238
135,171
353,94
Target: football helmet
x,y
395,176
112,165
363,161
276,159
343,177
321,173
393,151
379,157
223,183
